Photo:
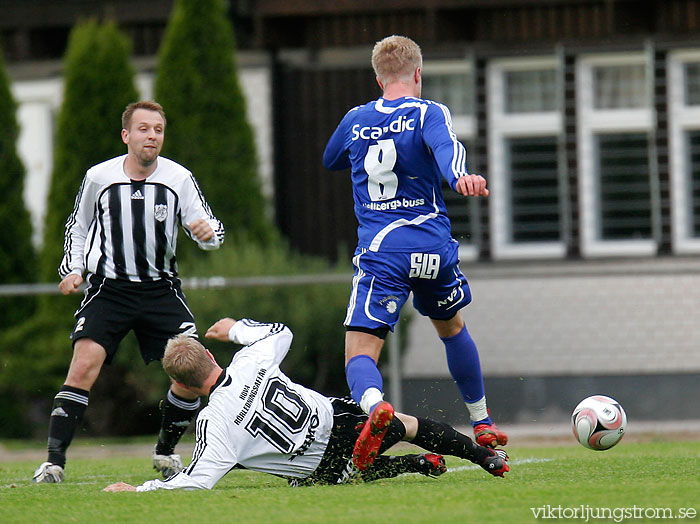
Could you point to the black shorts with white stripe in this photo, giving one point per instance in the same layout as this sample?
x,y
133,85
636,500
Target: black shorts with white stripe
x,y
348,419
155,311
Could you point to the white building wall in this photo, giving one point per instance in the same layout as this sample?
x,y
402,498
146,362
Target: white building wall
x,y
634,318
38,103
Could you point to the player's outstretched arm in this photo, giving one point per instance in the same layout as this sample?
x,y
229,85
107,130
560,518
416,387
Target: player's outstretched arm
x,y
336,156
120,486
247,332
220,329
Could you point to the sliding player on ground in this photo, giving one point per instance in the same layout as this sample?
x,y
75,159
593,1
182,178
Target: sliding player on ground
x,y
258,419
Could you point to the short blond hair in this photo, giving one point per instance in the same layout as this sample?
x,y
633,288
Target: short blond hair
x,y
148,105
186,361
395,58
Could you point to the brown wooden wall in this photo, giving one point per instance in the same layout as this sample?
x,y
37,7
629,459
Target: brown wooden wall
x,y
314,24
313,206
38,29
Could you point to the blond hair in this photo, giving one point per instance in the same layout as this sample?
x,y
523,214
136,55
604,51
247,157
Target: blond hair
x,y
395,58
186,361
148,105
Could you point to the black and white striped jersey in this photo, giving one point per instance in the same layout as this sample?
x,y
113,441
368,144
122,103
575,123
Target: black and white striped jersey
x,y
127,230
256,416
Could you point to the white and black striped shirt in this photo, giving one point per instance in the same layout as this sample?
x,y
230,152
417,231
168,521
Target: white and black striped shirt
x,y
256,416
127,230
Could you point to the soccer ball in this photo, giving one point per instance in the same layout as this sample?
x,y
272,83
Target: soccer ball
x,y
599,422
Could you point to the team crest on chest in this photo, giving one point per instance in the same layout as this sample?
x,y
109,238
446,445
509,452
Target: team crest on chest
x,y
160,212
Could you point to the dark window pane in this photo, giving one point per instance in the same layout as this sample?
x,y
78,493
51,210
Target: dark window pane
x,y
692,84
462,212
693,142
534,189
624,191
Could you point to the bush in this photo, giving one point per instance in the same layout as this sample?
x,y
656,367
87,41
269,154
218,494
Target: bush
x,y
18,260
197,84
35,359
99,84
125,397
314,312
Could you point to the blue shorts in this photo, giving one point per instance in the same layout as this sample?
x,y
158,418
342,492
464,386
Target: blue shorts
x,y
383,281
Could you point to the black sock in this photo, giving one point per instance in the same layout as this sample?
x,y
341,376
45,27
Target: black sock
x,y
442,438
66,413
386,467
177,414
395,433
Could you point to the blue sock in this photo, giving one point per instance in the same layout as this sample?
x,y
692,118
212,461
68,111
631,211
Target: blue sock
x,y
362,373
465,368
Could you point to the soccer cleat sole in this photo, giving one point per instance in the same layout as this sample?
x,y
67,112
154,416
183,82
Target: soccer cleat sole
x,y
371,436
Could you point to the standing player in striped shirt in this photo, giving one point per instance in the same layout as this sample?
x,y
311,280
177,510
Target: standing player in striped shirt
x,y
399,149
123,232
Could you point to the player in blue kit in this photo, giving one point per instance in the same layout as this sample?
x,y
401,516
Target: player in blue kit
x,y
399,148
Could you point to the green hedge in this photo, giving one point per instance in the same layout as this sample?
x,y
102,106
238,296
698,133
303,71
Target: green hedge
x,y
208,131
314,313
125,397
99,83
18,262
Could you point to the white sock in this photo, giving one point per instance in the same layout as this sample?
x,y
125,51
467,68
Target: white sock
x,y
370,398
477,410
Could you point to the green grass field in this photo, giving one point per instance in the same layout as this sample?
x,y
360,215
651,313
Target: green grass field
x,y
648,476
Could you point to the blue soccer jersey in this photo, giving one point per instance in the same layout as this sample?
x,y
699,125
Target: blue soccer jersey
x,y
399,150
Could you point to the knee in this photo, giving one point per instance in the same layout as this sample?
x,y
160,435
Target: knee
x,y
88,357
449,328
362,343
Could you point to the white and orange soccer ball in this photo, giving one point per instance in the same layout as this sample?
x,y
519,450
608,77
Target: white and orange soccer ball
x,y
599,422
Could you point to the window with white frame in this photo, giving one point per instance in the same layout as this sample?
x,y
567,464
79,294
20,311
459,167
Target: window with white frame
x,y
451,83
525,125
683,70
617,204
